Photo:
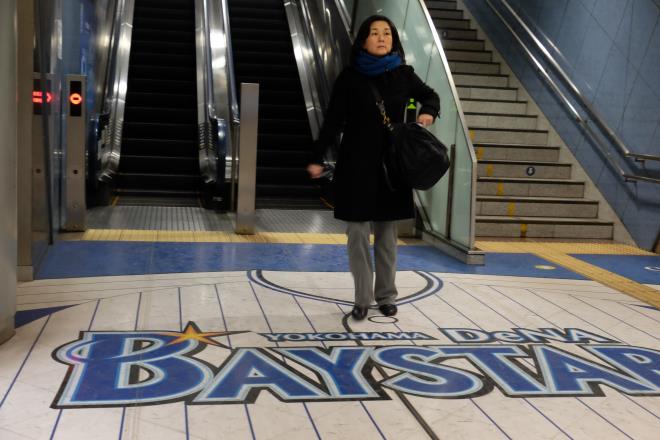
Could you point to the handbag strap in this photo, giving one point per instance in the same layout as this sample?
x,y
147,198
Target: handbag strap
x,y
380,103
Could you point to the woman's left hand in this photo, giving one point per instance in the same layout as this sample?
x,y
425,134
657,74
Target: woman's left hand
x,y
425,120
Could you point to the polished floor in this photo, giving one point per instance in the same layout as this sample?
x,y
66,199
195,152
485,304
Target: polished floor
x,y
225,339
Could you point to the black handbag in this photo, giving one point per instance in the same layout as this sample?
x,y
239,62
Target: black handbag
x,y
413,157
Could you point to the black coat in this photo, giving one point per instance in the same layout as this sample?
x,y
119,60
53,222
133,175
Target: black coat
x,y
360,191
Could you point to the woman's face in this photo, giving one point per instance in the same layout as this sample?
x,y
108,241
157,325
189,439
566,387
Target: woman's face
x,y
379,41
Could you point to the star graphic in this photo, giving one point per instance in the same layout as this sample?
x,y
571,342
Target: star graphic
x,y
193,332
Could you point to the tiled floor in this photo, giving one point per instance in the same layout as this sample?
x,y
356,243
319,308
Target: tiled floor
x,y
250,340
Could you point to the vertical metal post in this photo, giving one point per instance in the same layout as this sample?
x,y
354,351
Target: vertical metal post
x,y
247,159
450,190
74,180
8,154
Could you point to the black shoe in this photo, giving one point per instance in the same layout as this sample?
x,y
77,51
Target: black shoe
x,y
388,309
359,313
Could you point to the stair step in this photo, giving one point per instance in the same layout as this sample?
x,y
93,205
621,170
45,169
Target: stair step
x,y
487,92
536,207
166,147
446,13
451,23
440,4
490,120
485,135
459,44
493,106
511,168
539,227
483,80
461,34
159,164
474,67
469,55
539,153
529,187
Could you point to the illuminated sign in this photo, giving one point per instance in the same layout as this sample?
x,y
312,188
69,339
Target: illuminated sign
x,y
75,98
37,97
132,368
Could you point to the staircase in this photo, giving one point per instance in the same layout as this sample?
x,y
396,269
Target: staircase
x,y
159,157
522,188
263,53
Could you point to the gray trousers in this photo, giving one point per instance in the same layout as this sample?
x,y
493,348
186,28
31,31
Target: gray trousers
x,y
359,260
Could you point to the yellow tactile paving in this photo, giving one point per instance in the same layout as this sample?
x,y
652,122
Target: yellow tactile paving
x,y
515,247
223,237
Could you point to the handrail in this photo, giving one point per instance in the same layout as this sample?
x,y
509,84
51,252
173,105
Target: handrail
x,y
566,102
116,85
217,108
574,89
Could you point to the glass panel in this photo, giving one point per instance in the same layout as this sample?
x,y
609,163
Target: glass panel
x,y
427,58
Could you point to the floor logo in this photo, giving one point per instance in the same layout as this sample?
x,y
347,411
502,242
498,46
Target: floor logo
x,y
156,367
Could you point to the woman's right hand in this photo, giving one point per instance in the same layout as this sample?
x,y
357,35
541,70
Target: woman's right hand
x,y
314,170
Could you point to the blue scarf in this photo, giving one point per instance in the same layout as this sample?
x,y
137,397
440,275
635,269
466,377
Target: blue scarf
x,y
371,65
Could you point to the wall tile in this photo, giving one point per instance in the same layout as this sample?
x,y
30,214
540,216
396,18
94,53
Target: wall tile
x,y
650,68
595,50
614,87
572,31
636,28
608,14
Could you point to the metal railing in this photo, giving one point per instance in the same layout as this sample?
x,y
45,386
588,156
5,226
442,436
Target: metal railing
x,y
119,48
609,134
217,109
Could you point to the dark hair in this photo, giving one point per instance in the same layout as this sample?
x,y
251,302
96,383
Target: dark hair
x,y
363,34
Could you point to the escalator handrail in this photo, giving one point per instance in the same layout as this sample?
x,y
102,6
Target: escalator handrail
x,y
116,85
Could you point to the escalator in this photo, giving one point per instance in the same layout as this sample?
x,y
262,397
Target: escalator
x,y
263,53
159,156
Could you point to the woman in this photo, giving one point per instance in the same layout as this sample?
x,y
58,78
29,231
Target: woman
x,y
362,195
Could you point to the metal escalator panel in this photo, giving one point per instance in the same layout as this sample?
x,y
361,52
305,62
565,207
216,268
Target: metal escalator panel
x,y
263,53
159,153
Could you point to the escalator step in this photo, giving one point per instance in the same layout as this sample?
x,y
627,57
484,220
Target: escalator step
x,y
258,23
267,70
284,126
272,83
261,4
166,13
164,164
142,71
245,44
163,115
284,142
281,111
171,4
165,147
261,58
161,47
157,181
176,36
161,100
277,97
162,86
157,59
261,12
282,158
282,176
267,34
183,24
269,190
149,130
